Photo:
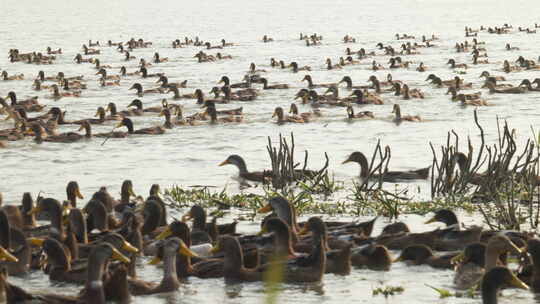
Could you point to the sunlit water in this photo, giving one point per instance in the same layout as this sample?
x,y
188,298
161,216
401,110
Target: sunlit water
x,y
189,155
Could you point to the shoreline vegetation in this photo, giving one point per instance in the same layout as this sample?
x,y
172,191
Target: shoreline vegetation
x,y
495,181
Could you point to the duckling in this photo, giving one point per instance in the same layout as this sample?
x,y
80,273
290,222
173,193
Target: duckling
x,y
398,118
104,75
157,59
296,68
140,92
453,64
278,112
311,85
5,76
149,131
274,86
364,114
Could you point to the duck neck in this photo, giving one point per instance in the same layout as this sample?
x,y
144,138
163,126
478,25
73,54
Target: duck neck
x,y
398,113
492,257
489,292
170,277
199,221
234,260
94,284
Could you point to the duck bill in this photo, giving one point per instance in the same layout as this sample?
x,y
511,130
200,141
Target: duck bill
x,y
131,192
35,210
186,217
185,251
265,209
129,248
6,256
262,232
116,255
215,249
36,242
399,259
164,234
518,283
304,230
155,261
119,125
458,259
431,220
223,163
346,161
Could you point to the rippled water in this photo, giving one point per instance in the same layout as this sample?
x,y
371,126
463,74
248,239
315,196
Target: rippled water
x,y
189,155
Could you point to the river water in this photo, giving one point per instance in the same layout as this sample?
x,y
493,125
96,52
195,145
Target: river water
x,y
190,155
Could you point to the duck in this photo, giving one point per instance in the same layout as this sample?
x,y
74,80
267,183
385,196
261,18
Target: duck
x,y
274,86
41,77
414,93
399,118
94,121
477,61
305,115
69,137
58,95
13,240
211,110
494,280
512,90
474,102
140,92
360,115
226,81
104,75
149,131
158,59
177,95
349,85
5,76
470,96
281,118
104,83
144,73
123,72
296,68
363,98
171,247
330,66
139,105
388,176
527,83
244,174
233,264
469,268
166,84
421,67
220,56
311,85
421,254
454,65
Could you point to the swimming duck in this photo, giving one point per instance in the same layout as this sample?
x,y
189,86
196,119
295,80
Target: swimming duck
x,y
104,83
144,73
363,98
140,92
50,51
472,102
226,81
99,113
104,75
61,76
158,59
422,254
469,269
256,176
166,84
513,90
233,265
527,83
123,72
69,137
274,86
311,85
149,131
330,66
388,176
414,93
453,64
305,115
5,76
348,81
13,239
139,105
177,95
220,56
476,61
57,95
399,118
421,67
363,114
296,68
471,96
211,110
281,118
41,77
